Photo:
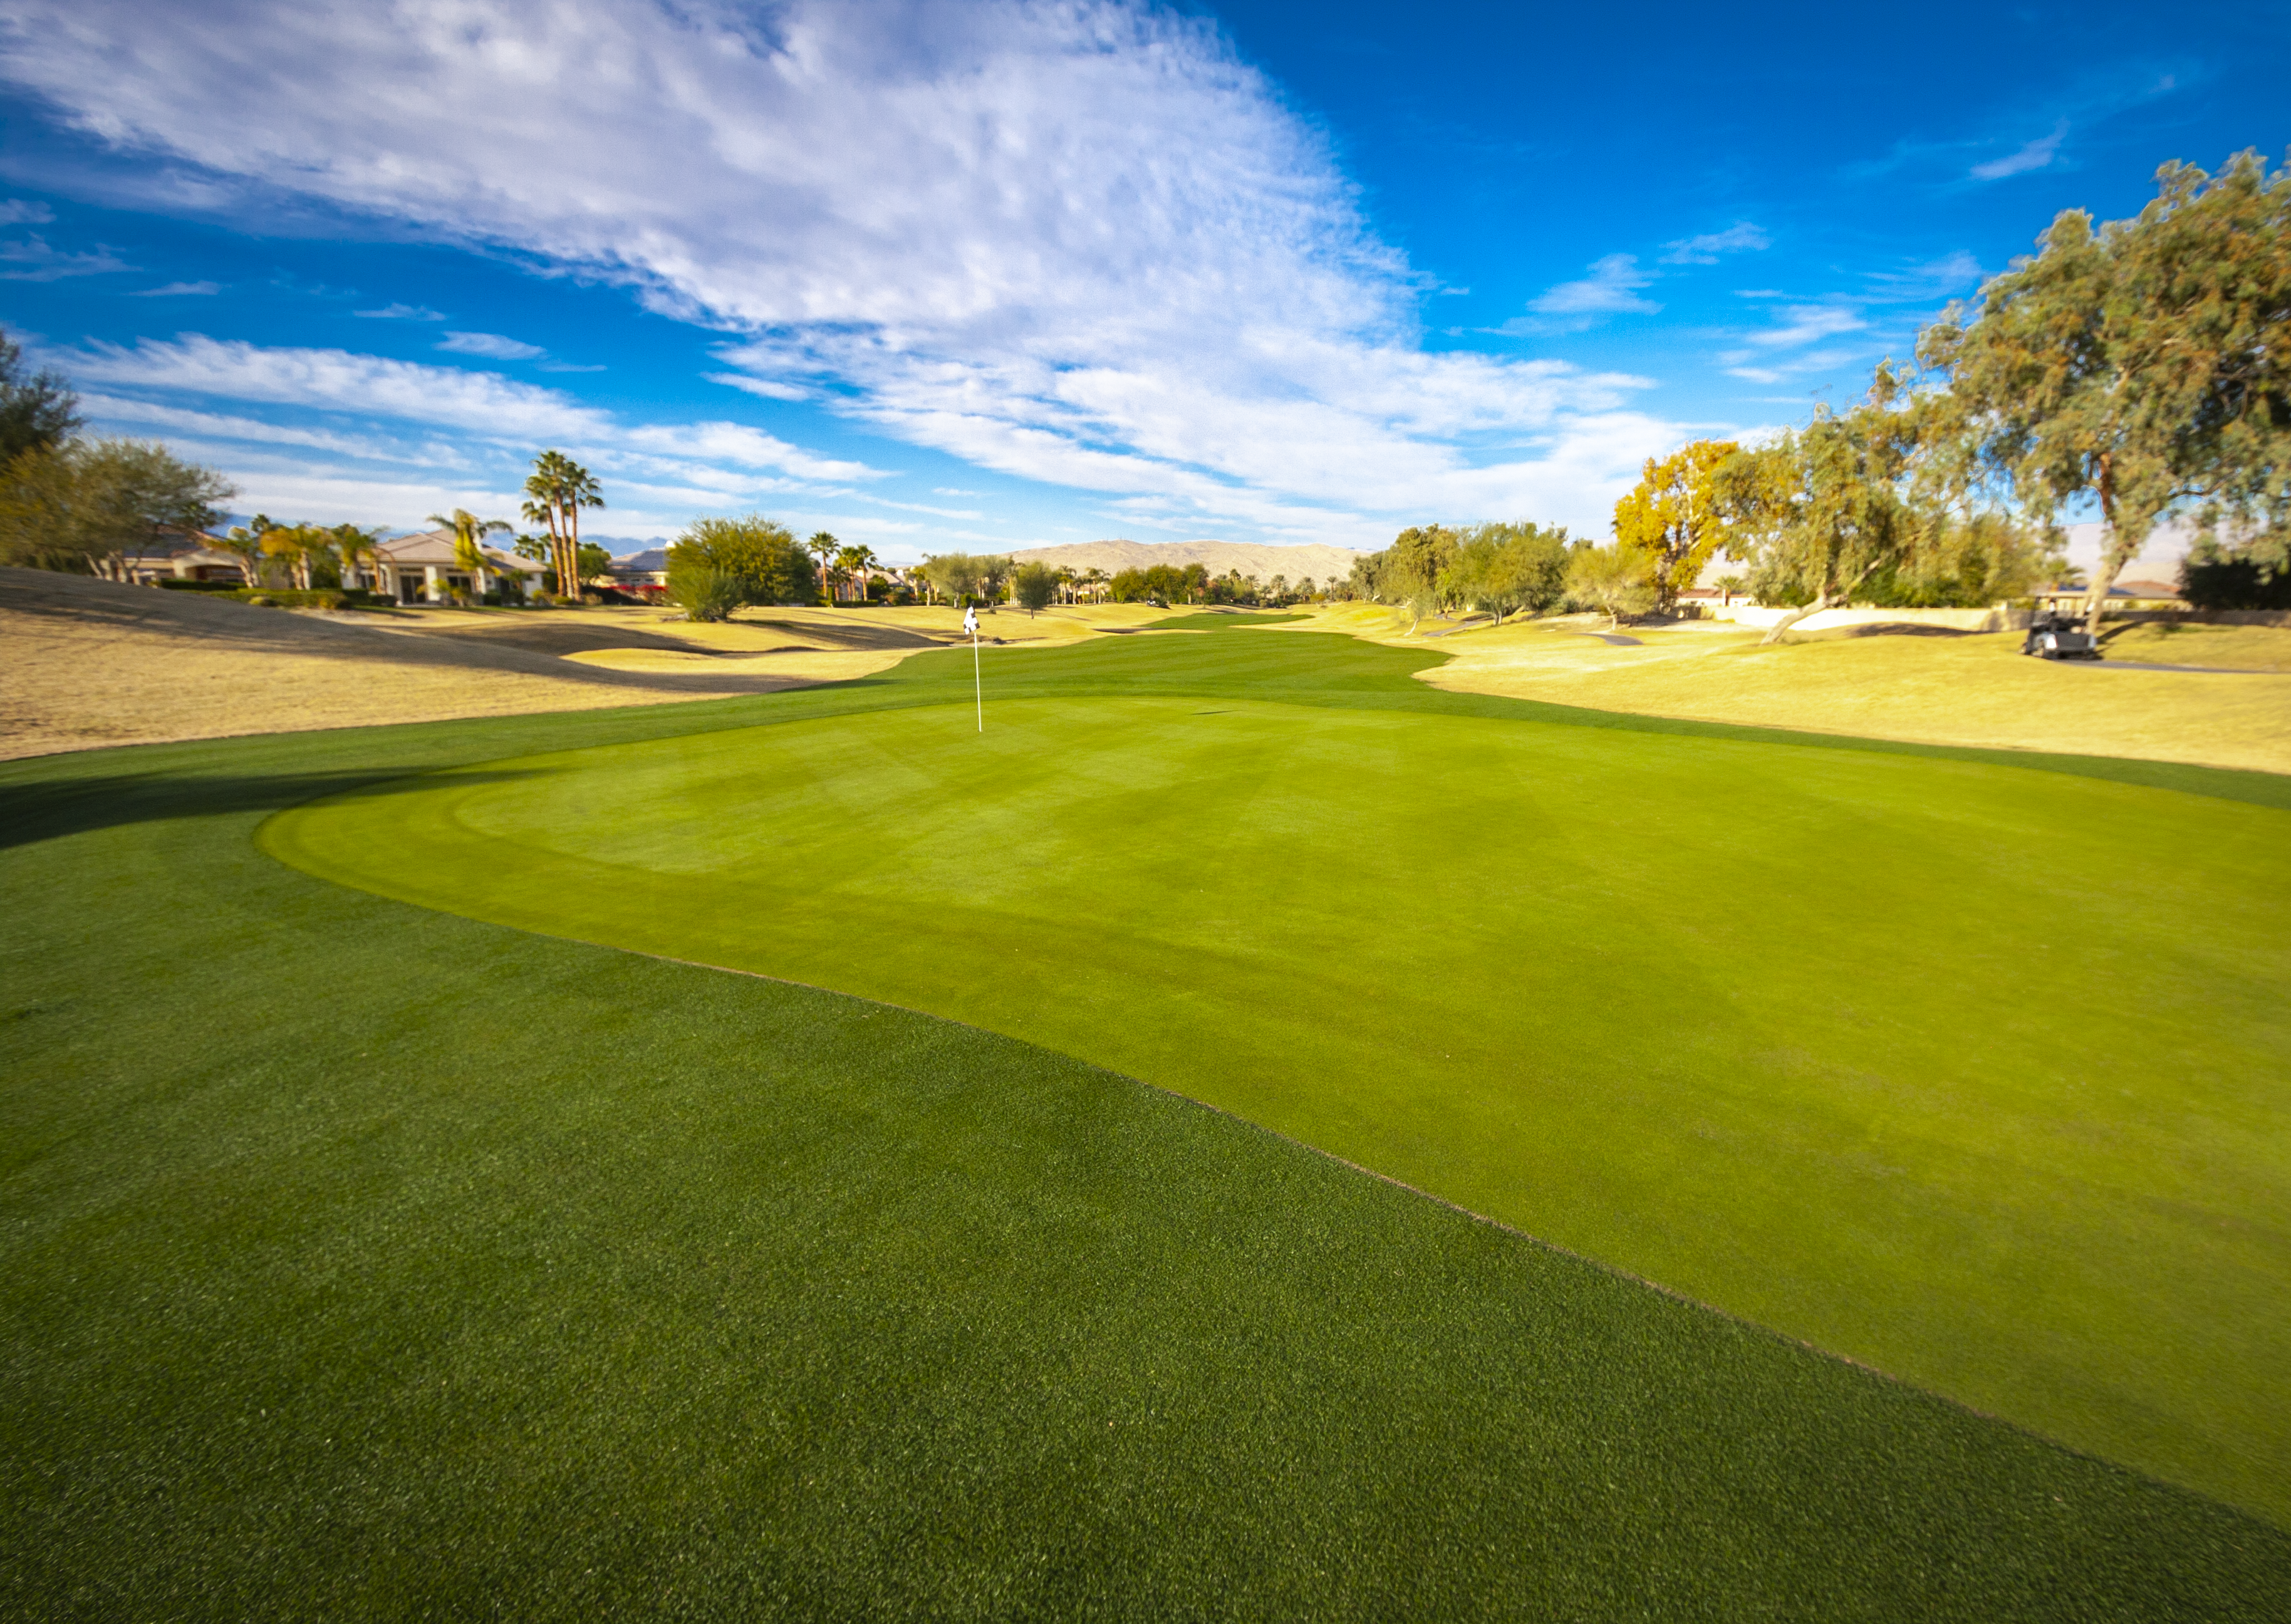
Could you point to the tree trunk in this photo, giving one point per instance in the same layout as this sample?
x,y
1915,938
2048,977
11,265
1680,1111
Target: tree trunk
x,y
1774,632
2113,557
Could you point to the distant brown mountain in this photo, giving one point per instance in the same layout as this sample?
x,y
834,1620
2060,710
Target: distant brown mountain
x,y
1256,558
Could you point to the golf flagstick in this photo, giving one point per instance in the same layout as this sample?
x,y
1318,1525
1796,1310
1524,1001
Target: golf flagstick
x,y
970,624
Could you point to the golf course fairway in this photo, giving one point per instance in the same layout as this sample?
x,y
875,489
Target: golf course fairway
x,y
1968,1068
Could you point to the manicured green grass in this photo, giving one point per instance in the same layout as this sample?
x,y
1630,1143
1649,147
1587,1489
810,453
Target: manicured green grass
x,y
362,1261
1822,1036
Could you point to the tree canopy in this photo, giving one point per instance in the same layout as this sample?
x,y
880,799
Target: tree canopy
x,y
38,410
717,565
1677,516
2144,364
82,504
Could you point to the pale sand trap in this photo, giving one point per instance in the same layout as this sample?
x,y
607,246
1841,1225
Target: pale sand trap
x,y
86,664
1977,691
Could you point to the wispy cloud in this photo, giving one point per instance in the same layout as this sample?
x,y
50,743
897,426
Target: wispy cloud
x,y
1741,238
173,289
1940,278
768,388
1188,305
20,211
402,312
2038,154
1611,287
338,381
33,260
493,346
1759,355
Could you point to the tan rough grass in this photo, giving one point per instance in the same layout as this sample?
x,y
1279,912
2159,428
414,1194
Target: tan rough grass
x,y
1977,690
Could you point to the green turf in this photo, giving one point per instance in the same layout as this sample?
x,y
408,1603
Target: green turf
x,y
1804,1033
363,1261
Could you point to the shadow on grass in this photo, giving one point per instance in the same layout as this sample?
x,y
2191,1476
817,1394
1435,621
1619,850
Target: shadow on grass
x,y
34,812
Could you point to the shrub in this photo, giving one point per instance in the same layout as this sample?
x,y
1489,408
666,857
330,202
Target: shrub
x,y
2254,576
705,593
718,564
289,597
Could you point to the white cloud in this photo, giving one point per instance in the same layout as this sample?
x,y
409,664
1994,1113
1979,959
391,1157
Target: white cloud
x,y
1741,238
1612,287
104,410
402,312
33,260
176,288
2038,154
17,212
491,345
1934,279
336,380
1081,242
1808,324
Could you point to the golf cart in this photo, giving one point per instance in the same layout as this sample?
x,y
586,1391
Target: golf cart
x,y
2060,637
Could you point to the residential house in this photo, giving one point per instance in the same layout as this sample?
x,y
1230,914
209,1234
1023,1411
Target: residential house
x,y
426,568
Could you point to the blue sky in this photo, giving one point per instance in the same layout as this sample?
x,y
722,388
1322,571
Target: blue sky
x,y
942,276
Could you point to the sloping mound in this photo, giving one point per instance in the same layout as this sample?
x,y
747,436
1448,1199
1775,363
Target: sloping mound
x,y
86,663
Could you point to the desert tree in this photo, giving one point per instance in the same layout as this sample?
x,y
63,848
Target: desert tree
x,y
1822,510
1616,578
38,411
717,565
86,504
1035,584
2143,365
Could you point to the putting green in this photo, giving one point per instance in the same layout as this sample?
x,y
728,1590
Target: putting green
x,y
1836,1040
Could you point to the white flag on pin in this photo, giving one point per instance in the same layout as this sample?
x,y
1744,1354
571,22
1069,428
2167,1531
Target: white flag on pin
x,y
970,621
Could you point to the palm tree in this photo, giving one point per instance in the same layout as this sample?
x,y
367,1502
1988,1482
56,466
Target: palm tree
x,y
823,547
247,542
470,533
357,549
557,490
856,561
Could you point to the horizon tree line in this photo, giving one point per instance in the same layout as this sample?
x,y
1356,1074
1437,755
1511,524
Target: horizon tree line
x,y
2141,366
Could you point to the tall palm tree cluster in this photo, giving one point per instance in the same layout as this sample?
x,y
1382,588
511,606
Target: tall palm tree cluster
x,y
556,493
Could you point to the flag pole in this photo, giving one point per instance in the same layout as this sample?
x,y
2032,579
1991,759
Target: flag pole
x,y
978,683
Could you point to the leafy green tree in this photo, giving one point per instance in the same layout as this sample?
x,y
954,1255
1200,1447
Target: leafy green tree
x,y
1035,585
1617,579
38,411
717,565
1506,568
1194,583
1128,586
84,504
1675,516
1966,562
595,562
2144,364
2252,574
1822,512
